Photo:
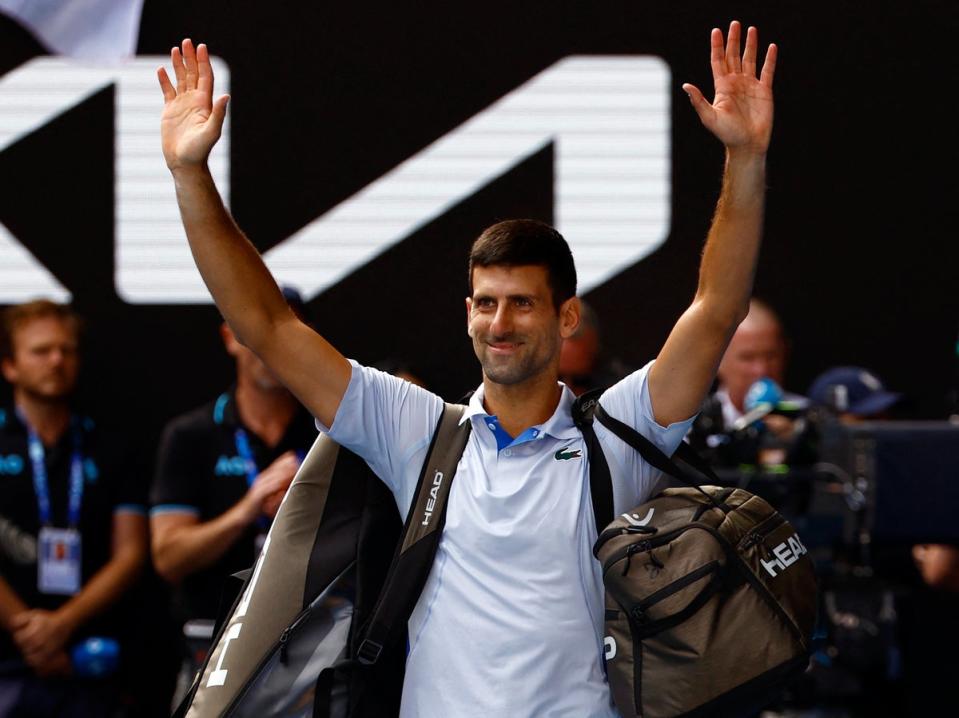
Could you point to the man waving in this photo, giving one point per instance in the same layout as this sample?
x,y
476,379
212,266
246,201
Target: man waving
x,y
510,620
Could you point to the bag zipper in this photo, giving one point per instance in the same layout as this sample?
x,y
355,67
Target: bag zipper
x,y
758,533
647,545
280,646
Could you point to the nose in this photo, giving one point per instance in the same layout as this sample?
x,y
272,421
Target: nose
x,y
759,368
502,323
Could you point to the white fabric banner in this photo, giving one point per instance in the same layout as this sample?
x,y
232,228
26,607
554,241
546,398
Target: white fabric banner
x,y
97,30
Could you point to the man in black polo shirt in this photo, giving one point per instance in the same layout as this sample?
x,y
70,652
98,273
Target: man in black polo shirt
x,y
72,527
222,471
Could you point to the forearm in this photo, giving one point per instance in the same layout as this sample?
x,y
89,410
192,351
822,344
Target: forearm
x,y
10,605
732,246
179,551
103,589
241,285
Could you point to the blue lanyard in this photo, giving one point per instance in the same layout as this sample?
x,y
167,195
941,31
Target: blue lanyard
x,y
40,484
246,453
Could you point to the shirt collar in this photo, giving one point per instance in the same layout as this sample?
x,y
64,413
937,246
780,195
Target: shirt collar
x,y
560,425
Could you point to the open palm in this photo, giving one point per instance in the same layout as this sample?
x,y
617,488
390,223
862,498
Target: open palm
x,y
191,120
741,113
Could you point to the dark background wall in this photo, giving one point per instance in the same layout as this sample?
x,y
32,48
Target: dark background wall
x,y
860,256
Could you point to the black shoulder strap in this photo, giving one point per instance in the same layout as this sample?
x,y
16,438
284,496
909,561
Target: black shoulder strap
x,y
421,534
600,481
656,458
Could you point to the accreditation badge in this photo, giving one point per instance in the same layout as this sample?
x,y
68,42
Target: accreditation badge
x,y
58,563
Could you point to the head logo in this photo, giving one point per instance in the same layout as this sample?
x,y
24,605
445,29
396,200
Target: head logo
x,y
784,555
431,501
565,454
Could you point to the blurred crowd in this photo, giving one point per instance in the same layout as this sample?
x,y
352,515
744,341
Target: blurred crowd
x,y
111,582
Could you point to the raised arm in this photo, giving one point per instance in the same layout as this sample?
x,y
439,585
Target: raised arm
x,y
241,285
741,117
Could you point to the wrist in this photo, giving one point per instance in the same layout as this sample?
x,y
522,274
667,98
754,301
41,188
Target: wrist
x,y
746,157
245,512
65,622
190,173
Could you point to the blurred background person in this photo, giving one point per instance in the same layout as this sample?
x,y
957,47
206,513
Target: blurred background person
x,y
582,362
222,471
853,393
73,531
732,428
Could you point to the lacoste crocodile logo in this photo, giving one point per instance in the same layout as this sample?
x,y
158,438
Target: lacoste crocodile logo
x,y
564,455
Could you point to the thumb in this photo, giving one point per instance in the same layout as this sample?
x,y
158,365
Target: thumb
x,y
218,113
699,103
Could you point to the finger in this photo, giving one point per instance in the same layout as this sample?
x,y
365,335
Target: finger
x,y
218,114
189,59
177,59
19,620
169,92
732,47
769,66
204,69
717,59
749,56
702,107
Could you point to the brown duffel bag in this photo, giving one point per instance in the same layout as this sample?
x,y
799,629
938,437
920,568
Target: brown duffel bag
x,y
710,604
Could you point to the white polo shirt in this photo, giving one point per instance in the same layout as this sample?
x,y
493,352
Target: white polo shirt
x,y
510,620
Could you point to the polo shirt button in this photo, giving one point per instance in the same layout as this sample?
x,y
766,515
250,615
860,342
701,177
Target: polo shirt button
x,y
507,452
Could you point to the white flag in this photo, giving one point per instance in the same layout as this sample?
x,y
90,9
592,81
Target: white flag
x,y
97,30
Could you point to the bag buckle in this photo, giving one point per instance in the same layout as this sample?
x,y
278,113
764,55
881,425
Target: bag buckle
x,y
369,652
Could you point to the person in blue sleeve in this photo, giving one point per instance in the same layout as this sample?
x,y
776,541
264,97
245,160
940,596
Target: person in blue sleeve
x,y
510,620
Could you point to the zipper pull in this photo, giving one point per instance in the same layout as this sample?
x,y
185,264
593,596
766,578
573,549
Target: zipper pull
x,y
284,639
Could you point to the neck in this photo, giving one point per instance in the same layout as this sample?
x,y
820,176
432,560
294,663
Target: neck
x,y
520,406
50,418
265,412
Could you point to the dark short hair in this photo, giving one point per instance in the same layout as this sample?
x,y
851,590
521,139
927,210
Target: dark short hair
x,y
13,317
525,242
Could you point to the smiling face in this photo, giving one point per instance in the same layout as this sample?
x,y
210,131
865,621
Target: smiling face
x,y
516,329
43,363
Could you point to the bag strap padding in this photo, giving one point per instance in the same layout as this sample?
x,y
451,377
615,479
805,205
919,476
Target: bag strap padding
x,y
421,535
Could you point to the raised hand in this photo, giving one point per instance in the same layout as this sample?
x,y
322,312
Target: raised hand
x,y
191,120
741,113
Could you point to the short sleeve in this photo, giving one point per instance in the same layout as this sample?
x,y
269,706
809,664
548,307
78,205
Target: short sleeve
x,y
628,400
387,421
176,485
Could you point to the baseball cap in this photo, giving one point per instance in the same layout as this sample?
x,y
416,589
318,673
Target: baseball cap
x,y
852,390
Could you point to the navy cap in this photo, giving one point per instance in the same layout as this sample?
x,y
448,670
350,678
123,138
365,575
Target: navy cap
x,y
852,390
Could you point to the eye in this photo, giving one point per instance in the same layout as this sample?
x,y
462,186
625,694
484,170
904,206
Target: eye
x,y
524,302
484,303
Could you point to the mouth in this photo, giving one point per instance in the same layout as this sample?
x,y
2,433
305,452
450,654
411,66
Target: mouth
x,y
502,348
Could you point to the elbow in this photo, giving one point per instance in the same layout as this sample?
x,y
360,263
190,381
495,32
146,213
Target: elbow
x,y
723,315
165,563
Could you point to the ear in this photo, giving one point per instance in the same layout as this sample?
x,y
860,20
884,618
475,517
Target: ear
x,y
469,308
9,370
570,312
230,341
